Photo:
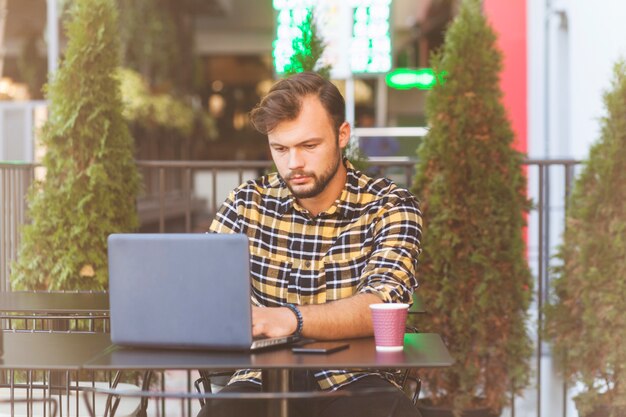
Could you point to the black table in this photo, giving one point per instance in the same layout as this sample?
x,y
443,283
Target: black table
x,y
58,353
54,310
50,351
421,350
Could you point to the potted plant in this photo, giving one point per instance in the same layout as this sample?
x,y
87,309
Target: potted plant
x,y
474,273
586,320
91,180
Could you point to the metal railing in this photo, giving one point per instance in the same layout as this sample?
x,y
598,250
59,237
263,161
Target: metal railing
x,y
549,185
15,180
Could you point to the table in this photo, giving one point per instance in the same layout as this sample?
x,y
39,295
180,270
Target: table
x,y
50,351
421,350
55,309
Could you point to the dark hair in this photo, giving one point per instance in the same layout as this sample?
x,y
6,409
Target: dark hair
x,y
284,101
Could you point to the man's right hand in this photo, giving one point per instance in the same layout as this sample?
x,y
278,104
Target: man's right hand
x,y
273,321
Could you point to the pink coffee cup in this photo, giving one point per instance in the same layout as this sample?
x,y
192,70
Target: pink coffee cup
x,y
389,321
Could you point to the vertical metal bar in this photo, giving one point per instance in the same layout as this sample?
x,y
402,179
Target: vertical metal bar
x,y
161,200
189,390
52,17
187,194
12,219
46,393
163,390
12,390
546,247
14,210
77,396
569,176
8,227
276,380
381,101
350,101
512,400
67,392
540,206
409,176
60,400
3,234
240,176
29,393
213,191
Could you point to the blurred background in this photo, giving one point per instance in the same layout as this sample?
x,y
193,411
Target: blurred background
x,y
217,56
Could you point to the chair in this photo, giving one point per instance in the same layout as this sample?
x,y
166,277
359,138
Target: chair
x,y
30,400
8,406
41,312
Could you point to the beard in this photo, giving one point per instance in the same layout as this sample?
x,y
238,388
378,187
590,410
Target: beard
x,y
319,183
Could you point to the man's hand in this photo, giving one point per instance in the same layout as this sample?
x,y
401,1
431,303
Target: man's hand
x,y
273,321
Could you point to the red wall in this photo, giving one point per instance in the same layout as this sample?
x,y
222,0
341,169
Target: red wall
x,y
508,19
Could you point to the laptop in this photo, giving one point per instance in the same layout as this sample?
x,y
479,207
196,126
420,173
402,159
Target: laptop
x,y
186,291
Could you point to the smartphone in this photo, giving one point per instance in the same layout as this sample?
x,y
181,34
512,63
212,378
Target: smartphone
x,y
320,347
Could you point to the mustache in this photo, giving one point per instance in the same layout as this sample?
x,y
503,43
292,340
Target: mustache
x,y
299,174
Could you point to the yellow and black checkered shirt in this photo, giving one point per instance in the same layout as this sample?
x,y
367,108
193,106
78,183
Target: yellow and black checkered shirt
x,y
368,241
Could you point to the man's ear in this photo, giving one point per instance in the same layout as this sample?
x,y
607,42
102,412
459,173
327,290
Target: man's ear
x,y
344,134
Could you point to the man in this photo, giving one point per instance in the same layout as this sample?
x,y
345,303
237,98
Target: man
x,y
325,241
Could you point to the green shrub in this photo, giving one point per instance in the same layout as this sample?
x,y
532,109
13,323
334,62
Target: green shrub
x,y
474,274
91,179
586,322
156,114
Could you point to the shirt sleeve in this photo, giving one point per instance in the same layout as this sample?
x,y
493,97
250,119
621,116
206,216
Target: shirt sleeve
x,y
227,218
391,269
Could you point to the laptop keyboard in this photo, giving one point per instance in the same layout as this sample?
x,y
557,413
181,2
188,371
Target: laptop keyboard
x,y
261,343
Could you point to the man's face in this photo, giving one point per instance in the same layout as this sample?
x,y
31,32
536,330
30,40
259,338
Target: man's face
x,y
307,150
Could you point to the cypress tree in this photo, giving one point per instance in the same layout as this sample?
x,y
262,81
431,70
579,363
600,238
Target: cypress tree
x,y
91,179
587,322
474,272
308,49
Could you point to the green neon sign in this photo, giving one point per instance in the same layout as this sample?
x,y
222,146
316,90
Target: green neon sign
x,y
422,78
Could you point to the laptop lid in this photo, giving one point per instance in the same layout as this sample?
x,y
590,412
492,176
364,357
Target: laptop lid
x,y
180,290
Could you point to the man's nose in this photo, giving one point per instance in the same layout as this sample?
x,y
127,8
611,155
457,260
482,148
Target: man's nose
x,y
295,159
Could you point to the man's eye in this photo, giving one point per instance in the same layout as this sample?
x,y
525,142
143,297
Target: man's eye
x,y
279,149
310,146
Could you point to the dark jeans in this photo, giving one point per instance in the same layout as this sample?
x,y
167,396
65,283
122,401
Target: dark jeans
x,y
384,404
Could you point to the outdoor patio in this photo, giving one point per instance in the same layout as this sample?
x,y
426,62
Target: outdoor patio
x,y
209,182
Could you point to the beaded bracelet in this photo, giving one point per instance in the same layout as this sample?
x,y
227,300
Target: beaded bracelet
x,y
298,314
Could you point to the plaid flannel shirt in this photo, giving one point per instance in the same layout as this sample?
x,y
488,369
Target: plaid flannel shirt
x,y
368,241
